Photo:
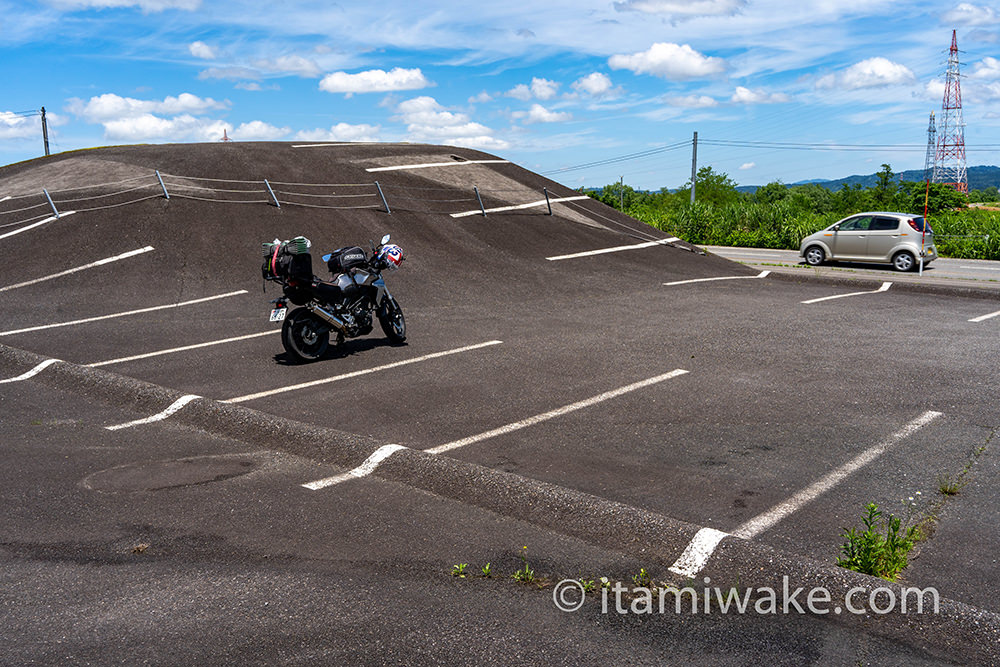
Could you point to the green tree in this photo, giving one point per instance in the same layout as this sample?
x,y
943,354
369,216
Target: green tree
x,y
771,193
939,197
886,188
711,187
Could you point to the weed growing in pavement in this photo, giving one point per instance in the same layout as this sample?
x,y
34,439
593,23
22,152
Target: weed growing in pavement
x,y
642,580
525,574
487,570
458,570
871,552
949,485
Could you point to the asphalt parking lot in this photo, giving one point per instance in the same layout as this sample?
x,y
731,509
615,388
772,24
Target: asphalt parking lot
x,y
651,376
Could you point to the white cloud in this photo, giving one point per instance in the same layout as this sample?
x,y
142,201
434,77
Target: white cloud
x,y
145,5
230,73
747,165
257,130
871,73
374,81
969,14
539,114
747,96
342,132
692,102
202,50
681,9
426,120
13,126
520,92
481,98
303,67
984,36
595,84
987,68
146,127
542,89
669,61
111,107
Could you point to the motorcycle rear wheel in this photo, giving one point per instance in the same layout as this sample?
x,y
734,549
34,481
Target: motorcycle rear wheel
x,y
304,336
390,317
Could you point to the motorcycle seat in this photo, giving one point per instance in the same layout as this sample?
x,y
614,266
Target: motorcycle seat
x,y
327,292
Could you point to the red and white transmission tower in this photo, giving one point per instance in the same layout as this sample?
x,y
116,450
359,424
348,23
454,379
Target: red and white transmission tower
x,y
949,162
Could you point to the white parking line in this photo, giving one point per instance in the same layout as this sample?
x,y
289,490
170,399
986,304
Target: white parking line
x,y
620,248
885,286
983,318
130,312
425,165
697,552
341,143
762,274
185,348
551,414
174,407
33,372
980,268
762,522
3,199
37,224
366,468
705,541
542,202
345,376
100,262
382,453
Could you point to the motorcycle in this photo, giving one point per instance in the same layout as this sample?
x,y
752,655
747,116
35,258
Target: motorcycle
x,y
343,306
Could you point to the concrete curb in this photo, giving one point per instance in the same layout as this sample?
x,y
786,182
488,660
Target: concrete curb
x,y
864,282
958,632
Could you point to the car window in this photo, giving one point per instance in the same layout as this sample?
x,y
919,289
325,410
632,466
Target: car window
x,y
857,224
884,224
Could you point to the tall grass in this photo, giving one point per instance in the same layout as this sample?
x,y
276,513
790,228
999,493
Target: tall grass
x,y
965,234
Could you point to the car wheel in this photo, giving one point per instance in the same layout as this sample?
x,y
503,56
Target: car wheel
x,y
815,256
904,261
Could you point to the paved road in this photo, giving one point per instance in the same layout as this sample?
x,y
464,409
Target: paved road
x,y
944,271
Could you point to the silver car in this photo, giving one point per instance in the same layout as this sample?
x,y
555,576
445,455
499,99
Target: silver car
x,y
899,239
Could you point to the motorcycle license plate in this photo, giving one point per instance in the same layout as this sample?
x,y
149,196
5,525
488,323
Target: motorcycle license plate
x,y
278,314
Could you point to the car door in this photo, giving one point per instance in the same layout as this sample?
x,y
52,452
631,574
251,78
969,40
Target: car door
x,y
883,236
851,240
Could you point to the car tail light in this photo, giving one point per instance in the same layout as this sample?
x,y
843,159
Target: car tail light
x,y
913,223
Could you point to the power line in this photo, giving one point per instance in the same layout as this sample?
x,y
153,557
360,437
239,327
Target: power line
x,y
621,158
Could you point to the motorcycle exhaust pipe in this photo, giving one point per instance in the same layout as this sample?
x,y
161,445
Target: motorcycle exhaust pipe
x,y
328,317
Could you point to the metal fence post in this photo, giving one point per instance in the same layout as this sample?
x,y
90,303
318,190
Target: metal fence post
x,y
162,185
382,195
273,196
547,202
481,207
51,203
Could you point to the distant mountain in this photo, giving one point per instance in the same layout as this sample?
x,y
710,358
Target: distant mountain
x,y
979,178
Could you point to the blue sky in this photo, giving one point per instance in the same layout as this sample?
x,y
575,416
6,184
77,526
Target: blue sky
x,y
550,85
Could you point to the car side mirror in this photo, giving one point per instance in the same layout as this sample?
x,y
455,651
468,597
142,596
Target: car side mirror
x,y
836,228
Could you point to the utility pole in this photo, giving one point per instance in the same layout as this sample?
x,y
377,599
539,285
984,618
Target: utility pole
x,y
45,132
694,163
621,193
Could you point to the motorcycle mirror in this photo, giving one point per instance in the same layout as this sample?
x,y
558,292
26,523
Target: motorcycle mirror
x,y
385,239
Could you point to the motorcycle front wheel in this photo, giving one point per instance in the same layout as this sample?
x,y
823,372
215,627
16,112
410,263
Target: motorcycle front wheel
x,y
304,336
390,316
